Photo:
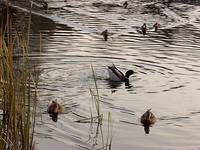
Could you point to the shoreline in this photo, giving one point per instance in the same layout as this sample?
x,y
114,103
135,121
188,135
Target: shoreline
x,y
20,15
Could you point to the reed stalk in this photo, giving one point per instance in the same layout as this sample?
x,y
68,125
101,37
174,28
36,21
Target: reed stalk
x,y
18,99
96,99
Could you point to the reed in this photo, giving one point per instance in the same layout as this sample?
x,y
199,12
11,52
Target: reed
x,y
97,119
110,129
96,99
18,90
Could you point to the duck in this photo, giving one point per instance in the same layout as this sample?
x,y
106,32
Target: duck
x,y
54,109
105,35
116,75
144,29
148,118
156,26
125,4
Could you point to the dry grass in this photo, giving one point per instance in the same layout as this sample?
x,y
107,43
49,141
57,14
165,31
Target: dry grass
x,y
18,90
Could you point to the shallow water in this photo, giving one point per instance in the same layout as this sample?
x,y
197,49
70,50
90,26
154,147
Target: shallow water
x,y
167,70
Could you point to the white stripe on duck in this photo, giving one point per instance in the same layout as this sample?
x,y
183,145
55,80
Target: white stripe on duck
x,y
116,75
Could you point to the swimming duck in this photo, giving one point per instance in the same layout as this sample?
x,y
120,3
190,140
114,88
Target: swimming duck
x,y
54,109
105,34
125,4
144,29
156,26
116,75
148,118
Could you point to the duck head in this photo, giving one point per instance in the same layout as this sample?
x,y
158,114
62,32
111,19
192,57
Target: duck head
x,y
129,73
126,79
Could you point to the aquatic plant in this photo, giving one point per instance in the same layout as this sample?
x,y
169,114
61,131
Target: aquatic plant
x,y
106,140
18,89
96,99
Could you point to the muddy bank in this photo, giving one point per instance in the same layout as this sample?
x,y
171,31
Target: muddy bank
x,y
20,14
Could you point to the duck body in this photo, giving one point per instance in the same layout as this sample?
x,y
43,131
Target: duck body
x,y
116,75
144,29
54,109
125,4
148,118
156,26
105,35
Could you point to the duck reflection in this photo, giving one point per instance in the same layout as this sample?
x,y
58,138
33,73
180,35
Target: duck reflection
x,y
113,91
128,85
146,129
113,84
147,120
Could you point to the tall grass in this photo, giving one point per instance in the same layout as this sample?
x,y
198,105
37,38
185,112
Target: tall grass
x,y
18,90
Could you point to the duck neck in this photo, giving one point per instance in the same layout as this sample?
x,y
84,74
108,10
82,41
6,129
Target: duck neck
x,y
126,80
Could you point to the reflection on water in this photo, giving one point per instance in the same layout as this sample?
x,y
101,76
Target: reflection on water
x,y
147,129
114,84
167,80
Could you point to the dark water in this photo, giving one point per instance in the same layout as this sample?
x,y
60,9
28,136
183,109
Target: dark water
x,y
166,63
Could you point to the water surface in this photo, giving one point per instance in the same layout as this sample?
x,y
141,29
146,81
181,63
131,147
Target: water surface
x,y
167,70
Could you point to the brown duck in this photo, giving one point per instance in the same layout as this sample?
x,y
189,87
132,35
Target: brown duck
x,y
148,118
156,26
54,109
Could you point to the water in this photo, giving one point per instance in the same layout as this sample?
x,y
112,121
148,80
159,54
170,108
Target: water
x,y
167,70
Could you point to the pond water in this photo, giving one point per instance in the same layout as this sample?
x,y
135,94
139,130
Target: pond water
x,y
166,63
